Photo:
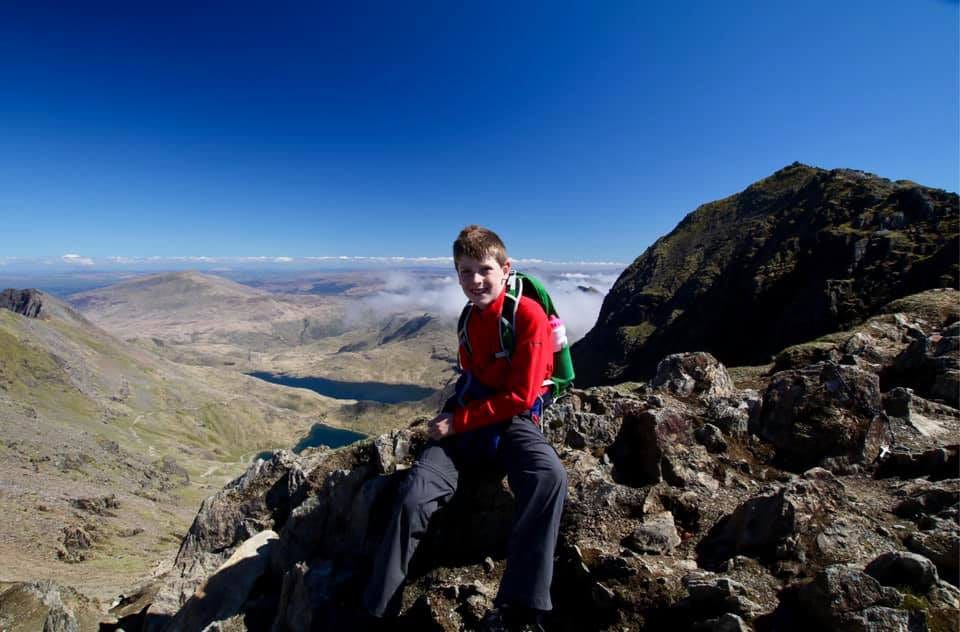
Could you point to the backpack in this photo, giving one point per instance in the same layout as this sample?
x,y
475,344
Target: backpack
x,y
519,285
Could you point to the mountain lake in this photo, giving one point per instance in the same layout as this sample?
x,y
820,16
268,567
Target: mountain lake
x,y
363,391
320,434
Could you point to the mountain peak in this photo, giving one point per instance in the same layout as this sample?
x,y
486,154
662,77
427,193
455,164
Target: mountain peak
x,y
798,254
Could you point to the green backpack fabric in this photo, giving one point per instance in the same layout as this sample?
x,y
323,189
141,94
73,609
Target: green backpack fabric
x,y
519,285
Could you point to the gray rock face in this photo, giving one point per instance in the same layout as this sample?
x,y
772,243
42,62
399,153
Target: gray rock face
x,y
27,303
657,535
223,594
392,448
942,546
45,605
60,620
693,374
645,441
823,411
839,596
771,527
259,499
930,366
732,416
711,437
720,594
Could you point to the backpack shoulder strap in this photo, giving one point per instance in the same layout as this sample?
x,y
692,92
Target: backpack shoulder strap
x,y
462,338
508,314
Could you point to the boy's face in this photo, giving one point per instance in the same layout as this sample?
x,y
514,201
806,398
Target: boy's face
x,y
482,280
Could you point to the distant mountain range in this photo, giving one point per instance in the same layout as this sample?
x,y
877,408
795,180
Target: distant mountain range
x,y
801,253
190,307
86,416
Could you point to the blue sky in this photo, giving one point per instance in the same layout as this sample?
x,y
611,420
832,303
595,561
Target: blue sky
x,y
578,130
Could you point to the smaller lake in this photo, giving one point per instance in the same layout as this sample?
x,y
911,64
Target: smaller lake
x,y
320,435
364,391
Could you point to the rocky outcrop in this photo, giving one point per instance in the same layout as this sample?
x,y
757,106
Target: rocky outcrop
x,y
824,411
671,521
27,303
799,254
692,504
931,366
698,374
47,606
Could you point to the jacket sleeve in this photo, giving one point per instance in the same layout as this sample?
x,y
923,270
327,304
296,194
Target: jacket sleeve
x,y
451,404
528,368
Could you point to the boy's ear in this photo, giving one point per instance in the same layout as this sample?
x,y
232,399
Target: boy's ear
x,y
506,267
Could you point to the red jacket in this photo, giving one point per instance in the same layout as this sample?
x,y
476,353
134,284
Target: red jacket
x,y
516,382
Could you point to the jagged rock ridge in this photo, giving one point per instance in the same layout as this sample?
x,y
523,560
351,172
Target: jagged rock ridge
x,y
794,256
24,302
690,507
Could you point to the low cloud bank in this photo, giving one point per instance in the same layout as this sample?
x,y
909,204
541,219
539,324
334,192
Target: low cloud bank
x,y
578,296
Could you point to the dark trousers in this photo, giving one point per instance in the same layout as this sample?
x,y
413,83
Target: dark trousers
x,y
538,482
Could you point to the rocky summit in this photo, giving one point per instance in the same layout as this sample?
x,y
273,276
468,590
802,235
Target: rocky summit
x,y
794,256
823,495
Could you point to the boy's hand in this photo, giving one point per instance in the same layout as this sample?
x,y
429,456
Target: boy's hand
x,y
440,426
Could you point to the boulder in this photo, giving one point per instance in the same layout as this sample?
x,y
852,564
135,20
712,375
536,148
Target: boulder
x,y
930,367
935,463
714,595
823,411
223,594
925,498
48,606
696,374
899,568
840,598
657,535
726,623
645,440
942,546
711,438
774,527
732,415
259,499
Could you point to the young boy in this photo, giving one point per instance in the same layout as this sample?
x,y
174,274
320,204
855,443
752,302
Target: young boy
x,y
491,422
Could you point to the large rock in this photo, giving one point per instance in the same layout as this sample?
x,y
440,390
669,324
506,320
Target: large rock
x,y
930,366
27,303
645,442
899,568
942,546
824,411
258,500
641,494
776,526
693,374
844,598
223,594
47,606
656,535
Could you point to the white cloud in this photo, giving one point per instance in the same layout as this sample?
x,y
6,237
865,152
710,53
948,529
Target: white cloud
x,y
283,259
73,259
578,296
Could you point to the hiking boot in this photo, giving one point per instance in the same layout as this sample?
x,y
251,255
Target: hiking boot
x,y
510,620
